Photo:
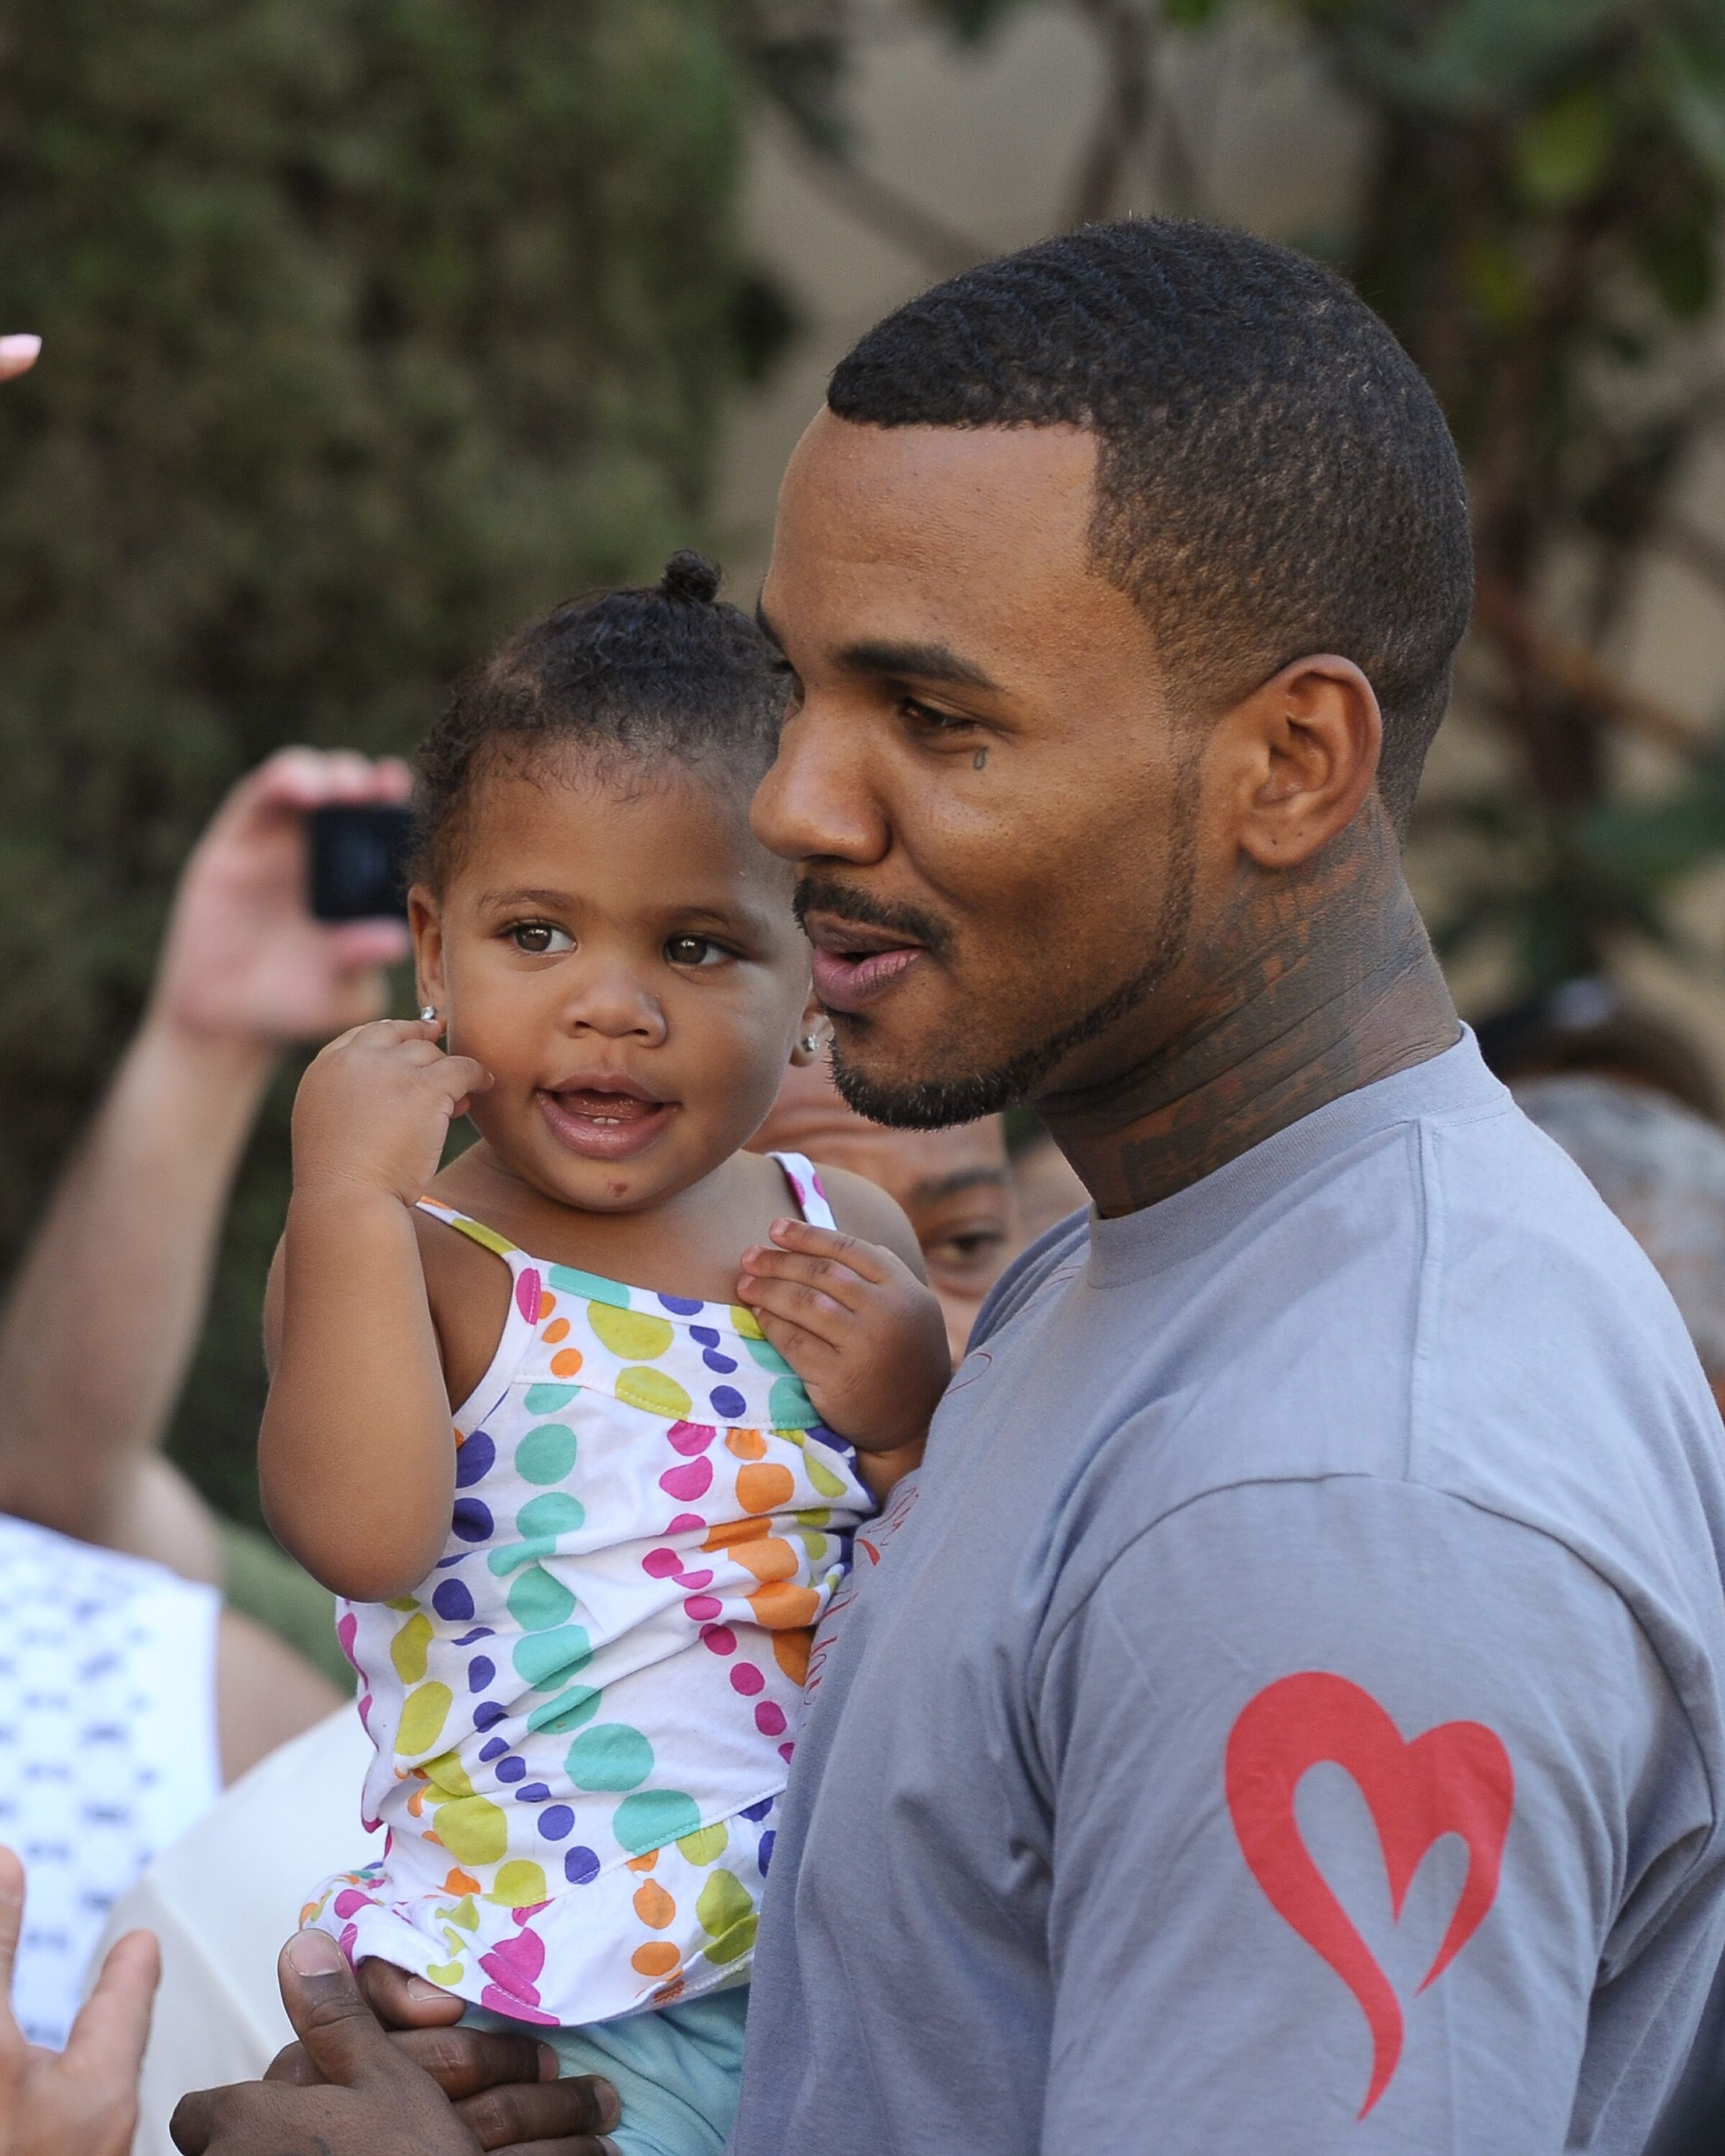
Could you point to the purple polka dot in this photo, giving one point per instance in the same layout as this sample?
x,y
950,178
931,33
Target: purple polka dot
x,y
662,1564
708,1335
581,1867
727,1401
555,1822
769,1718
532,1793
470,1520
488,1714
748,1680
702,1609
495,1749
479,1632
480,1671
720,1638
452,1601
763,1855
758,1811
475,1460
723,1365
680,1306
515,1770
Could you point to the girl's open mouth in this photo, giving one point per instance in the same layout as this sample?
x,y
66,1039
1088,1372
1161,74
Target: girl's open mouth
x,y
601,1124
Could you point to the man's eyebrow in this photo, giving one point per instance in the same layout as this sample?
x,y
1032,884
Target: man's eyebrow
x,y
934,1188
920,662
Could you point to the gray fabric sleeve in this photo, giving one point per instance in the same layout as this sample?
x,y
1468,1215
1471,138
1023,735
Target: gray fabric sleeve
x,y
1305,1745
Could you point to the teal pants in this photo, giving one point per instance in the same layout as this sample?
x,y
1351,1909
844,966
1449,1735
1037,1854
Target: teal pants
x,y
677,2071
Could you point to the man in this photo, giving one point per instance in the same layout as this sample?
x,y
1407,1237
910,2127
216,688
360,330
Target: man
x,y
1344,1509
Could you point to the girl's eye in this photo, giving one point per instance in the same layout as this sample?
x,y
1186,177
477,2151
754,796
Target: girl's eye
x,y
541,938
694,951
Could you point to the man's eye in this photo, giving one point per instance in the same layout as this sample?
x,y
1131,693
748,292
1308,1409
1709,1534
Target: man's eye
x,y
931,720
541,938
695,951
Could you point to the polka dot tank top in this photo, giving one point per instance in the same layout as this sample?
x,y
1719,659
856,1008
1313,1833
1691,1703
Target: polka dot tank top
x,y
583,1718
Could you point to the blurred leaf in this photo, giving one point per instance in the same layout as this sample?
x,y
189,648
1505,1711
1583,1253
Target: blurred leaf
x,y
1678,255
1562,149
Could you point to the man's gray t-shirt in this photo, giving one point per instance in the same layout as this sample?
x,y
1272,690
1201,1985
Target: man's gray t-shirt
x,y
1284,1713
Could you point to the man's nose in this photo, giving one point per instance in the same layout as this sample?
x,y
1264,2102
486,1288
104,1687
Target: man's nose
x,y
817,802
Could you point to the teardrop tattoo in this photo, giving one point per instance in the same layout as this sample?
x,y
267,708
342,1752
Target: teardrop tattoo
x,y
979,759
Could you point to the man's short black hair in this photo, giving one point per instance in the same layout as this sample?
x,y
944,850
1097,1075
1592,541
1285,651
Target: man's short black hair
x,y
1275,477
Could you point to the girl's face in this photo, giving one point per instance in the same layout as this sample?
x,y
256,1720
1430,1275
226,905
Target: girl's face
x,y
620,955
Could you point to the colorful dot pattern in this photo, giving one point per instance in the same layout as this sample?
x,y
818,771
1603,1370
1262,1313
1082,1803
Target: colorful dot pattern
x,y
584,1717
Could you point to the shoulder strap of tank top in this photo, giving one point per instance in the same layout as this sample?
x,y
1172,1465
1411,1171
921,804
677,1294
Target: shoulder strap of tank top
x,y
805,1188
476,1230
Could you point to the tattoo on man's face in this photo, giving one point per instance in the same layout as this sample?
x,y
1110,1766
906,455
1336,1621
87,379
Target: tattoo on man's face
x,y
979,759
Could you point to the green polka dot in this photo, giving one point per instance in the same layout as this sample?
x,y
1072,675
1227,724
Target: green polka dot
x,y
473,1829
447,1773
706,1846
555,1513
518,1885
401,1602
536,1601
726,1914
788,1407
815,1516
545,1659
407,1649
546,1399
422,1716
829,1483
656,1392
633,1334
590,1286
546,1453
465,1915
816,1545
651,1818
610,1756
767,1356
567,1711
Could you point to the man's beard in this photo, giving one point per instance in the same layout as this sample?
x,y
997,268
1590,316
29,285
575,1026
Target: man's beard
x,y
928,1104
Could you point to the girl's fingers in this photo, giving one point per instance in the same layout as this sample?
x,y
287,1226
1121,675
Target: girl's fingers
x,y
471,1077
795,1303
801,1349
867,1260
839,1282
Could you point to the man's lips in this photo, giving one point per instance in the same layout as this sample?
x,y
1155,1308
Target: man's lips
x,y
602,1122
853,964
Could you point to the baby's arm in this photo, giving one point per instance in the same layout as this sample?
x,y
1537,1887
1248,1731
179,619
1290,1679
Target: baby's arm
x,y
856,1321
356,1458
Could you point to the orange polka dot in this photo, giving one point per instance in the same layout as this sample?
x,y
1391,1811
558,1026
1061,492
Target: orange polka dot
x,y
790,1650
567,1363
658,1957
436,1840
668,1992
464,1883
560,1331
416,1803
746,1443
654,1906
782,1608
729,1533
547,1303
644,1863
764,1485
771,1559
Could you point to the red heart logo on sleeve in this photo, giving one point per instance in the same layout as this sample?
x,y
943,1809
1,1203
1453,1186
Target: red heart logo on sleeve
x,y
1455,1779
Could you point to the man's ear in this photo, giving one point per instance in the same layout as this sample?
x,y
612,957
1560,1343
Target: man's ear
x,y
1309,739
813,1034
425,922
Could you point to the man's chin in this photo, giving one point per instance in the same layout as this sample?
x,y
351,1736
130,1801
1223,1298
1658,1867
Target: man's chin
x,y
929,1103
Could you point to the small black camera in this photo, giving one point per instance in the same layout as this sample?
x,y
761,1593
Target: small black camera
x,y
358,852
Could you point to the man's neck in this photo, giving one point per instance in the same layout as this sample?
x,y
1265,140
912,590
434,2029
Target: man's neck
x,y
1315,982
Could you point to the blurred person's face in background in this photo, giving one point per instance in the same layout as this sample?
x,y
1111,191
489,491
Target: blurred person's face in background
x,y
953,1185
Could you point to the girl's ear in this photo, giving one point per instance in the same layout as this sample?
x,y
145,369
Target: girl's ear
x,y
426,925
814,1036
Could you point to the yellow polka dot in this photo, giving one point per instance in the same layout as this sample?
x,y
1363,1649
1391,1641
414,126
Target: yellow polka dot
x,y
655,1392
518,1885
746,1321
422,1716
408,1651
473,1829
630,1332
706,1845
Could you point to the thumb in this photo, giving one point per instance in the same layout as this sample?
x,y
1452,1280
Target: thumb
x,y
341,2036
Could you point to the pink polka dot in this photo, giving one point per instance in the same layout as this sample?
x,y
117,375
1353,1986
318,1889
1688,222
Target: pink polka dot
x,y
350,1901
688,1482
690,1437
683,1521
345,1632
694,1579
661,1564
350,1933
769,1718
527,1295
702,1609
720,1638
786,1753
748,1680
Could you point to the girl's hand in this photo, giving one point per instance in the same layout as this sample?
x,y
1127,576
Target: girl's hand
x,y
858,1328
374,1108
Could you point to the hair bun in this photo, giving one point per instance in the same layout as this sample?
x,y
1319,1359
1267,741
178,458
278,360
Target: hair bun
x,y
691,577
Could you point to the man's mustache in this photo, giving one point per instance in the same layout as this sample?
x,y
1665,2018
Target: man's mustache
x,y
825,894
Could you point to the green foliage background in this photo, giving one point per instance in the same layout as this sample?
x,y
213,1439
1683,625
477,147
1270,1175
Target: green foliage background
x,y
370,326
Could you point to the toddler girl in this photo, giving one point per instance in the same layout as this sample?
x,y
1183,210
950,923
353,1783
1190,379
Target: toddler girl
x,y
680,1371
